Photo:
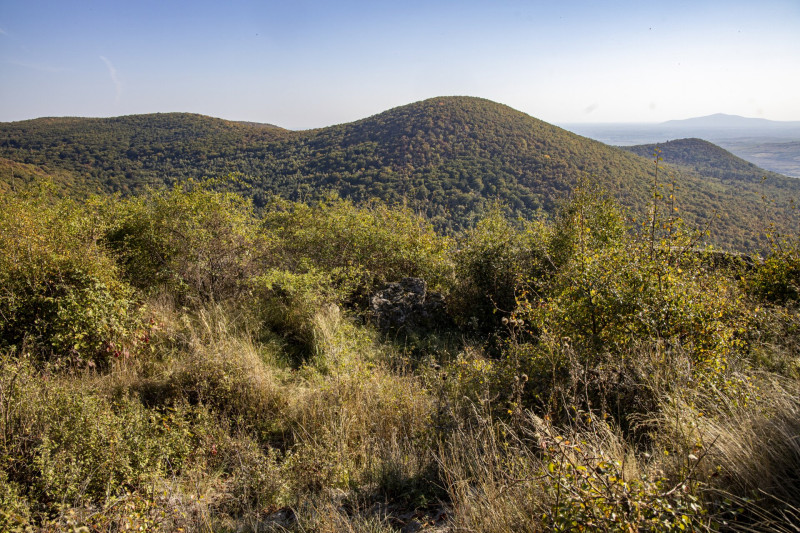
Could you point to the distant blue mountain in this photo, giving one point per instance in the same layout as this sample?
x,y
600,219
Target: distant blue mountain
x,y
723,121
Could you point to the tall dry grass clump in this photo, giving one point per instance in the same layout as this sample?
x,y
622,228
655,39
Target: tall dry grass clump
x,y
534,476
354,422
752,445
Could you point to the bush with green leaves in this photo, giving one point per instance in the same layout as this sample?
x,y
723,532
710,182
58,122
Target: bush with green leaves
x,y
494,262
614,289
191,241
90,447
533,475
591,488
777,278
588,220
64,445
61,293
364,246
14,508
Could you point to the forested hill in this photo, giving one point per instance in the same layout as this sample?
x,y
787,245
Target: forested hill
x,y
126,153
705,158
448,157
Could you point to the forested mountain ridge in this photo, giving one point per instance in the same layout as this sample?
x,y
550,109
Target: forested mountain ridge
x,y
706,158
449,157
126,153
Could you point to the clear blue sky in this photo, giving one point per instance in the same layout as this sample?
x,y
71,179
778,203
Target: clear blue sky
x,y
302,64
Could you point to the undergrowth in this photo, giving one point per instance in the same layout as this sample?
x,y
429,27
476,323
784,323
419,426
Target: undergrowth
x,y
180,362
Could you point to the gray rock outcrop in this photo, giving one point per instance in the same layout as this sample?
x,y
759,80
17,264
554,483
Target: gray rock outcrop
x,y
406,306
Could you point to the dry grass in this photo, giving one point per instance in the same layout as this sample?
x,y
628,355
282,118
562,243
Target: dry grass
x,y
752,443
349,442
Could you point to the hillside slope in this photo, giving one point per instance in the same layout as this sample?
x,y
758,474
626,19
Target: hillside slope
x,y
124,154
16,176
448,157
705,158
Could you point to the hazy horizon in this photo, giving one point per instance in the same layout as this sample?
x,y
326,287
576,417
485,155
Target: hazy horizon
x,y
308,64
598,124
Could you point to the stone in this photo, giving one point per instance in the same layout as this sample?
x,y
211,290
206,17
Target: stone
x,y
406,306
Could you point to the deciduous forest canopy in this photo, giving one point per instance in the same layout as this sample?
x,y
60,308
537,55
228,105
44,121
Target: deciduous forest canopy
x,y
449,158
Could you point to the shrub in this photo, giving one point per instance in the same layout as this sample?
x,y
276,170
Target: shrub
x,y
14,508
537,477
286,302
494,263
69,446
615,290
364,246
62,296
195,243
594,484
777,279
587,221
